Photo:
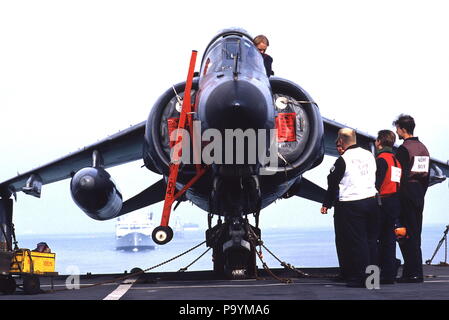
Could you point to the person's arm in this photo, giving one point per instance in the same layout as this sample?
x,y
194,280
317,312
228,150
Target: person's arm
x,y
403,157
381,172
333,181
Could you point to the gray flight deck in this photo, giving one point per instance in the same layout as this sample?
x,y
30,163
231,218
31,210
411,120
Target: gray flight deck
x,y
321,284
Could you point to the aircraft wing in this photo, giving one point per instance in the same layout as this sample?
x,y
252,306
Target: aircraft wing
x,y
330,136
439,170
120,148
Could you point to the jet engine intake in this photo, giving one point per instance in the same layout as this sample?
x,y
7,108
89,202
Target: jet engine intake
x,y
95,193
162,121
299,127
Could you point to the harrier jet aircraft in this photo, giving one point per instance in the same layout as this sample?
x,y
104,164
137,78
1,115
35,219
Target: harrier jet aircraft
x,y
228,139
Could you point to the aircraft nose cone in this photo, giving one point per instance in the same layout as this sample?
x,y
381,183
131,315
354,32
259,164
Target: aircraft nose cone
x,y
236,104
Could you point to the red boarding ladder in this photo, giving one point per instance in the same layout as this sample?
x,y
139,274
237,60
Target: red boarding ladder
x,y
163,234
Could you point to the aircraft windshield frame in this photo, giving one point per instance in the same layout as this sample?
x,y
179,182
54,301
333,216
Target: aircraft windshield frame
x,y
232,49
220,56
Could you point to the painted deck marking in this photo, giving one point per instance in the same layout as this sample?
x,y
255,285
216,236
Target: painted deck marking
x,y
120,290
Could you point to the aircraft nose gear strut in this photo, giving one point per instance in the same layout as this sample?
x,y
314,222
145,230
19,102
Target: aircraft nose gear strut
x,y
233,255
237,232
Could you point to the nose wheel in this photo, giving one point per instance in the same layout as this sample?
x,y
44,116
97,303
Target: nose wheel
x,y
162,234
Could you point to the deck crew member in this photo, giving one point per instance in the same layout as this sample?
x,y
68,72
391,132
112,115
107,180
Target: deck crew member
x,y
388,178
414,159
261,42
338,245
356,211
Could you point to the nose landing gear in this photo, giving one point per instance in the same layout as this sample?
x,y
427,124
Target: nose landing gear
x,y
234,255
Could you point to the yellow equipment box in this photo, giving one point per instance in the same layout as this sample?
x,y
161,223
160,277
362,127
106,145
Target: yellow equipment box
x,y
26,261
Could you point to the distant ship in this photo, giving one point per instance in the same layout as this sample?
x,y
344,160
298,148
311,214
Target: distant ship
x,y
179,227
189,226
133,232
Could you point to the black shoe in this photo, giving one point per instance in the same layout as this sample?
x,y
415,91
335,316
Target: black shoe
x,y
410,279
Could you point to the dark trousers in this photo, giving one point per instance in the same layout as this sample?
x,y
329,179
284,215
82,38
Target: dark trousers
x,y
356,232
411,216
390,210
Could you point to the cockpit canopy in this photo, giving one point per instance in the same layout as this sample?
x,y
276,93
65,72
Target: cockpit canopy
x,y
229,50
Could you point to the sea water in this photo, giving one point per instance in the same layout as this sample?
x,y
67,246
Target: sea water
x,y
96,253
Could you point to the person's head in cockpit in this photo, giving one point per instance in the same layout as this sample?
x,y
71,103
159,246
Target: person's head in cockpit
x,y
261,42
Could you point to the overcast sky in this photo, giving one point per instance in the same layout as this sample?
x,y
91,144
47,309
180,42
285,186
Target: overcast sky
x,y
74,72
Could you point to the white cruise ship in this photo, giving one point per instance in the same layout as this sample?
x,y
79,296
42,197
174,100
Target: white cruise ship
x,y
133,231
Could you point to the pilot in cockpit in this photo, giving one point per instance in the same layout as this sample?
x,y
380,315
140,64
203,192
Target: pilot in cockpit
x,y
261,42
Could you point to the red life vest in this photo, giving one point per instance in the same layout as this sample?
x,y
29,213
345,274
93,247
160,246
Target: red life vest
x,y
390,184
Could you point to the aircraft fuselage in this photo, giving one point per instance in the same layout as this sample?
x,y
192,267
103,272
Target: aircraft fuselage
x,y
236,109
